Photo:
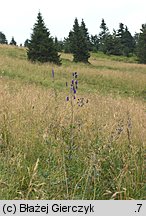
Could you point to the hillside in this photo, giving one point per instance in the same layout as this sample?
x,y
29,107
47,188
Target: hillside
x,y
105,74
51,148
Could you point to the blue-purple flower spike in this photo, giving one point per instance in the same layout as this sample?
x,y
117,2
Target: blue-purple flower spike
x,y
74,91
53,73
73,86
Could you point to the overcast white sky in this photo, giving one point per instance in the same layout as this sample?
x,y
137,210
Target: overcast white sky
x,y
17,17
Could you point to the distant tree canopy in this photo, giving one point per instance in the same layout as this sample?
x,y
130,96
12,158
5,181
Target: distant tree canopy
x,y
120,42
79,42
41,46
13,42
141,45
3,39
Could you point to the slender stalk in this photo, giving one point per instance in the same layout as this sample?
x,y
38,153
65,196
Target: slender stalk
x,y
72,129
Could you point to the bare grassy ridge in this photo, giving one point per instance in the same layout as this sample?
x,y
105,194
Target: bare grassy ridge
x,y
107,159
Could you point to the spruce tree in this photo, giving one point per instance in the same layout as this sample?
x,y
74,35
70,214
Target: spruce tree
x,y
141,45
103,35
104,30
94,41
26,43
58,45
78,43
128,43
126,40
41,46
120,31
113,44
66,45
86,34
13,42
3,39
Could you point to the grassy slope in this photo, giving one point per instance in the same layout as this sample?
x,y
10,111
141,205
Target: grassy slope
x,y
35,129
103,75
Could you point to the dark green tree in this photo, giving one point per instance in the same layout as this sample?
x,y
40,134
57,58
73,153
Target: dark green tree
x,y
113,45
3,39
141,45
94,41
103,35
13,42
127,41
78,43
121,30
26,43
136,37
58,45
41,46
66,45
86,34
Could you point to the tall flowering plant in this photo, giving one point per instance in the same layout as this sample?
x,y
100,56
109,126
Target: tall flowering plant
x,y
72,96
73,87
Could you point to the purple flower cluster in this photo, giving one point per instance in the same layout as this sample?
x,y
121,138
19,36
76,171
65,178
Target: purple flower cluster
x,y
73,86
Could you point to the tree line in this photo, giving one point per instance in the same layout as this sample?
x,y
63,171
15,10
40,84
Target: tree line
x,y
3,39
44,48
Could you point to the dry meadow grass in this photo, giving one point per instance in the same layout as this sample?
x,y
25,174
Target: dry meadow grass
x,y
109,132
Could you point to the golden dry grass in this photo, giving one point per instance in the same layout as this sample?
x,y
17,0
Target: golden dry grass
x,y
107,158
31,128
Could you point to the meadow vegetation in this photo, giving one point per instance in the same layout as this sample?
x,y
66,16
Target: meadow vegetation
x,y
108,130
